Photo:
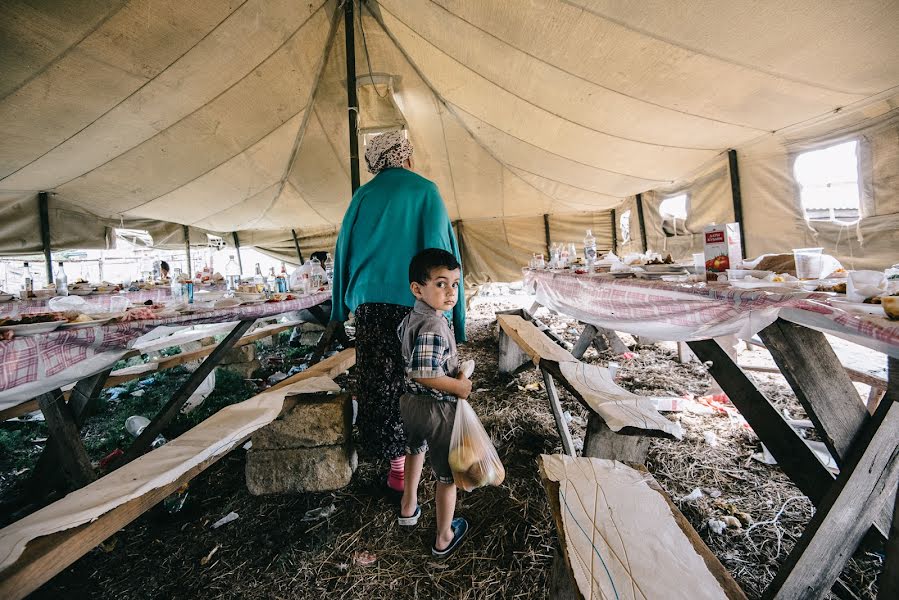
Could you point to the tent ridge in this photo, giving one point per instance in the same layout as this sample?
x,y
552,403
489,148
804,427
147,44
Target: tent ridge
x,y
538,107
587,80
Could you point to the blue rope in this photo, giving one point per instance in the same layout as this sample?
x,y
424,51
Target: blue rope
x,y
595,550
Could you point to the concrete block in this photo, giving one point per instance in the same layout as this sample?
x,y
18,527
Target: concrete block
x,y
243,354
297,470
245,370
315,421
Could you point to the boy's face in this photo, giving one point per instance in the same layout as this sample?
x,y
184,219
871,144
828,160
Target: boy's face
x,y
441,291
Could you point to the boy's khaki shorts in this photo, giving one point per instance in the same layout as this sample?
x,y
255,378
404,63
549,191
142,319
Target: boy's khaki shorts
x,y
429,425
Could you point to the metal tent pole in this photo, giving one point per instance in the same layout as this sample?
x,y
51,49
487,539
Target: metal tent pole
x,y
736,195
296,243
642,222
237,249
43,199
352,101
614,234
190,268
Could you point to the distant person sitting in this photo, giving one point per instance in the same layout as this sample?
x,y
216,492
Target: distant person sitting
x,y
320,256
164,270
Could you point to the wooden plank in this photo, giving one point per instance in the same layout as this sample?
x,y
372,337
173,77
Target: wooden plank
x,y
854,374
29,406
793,456
606,339
330,367
63,435
602,442
888,582
556,407
868,480
46,556
173,406
511,356
812,369
532,340
85,395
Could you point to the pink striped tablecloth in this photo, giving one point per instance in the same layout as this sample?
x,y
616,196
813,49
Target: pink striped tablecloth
x,y
693,311
24,360
97,302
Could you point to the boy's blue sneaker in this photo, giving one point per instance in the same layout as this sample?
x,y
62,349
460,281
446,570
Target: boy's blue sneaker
x,y
409,521
460,528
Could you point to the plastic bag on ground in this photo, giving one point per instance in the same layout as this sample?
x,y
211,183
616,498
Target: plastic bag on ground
x,y
472,457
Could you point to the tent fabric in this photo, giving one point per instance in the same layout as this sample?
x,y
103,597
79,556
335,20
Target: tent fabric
x,y
231,116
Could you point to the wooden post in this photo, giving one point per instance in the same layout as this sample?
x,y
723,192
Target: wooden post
x,y
602,442
639,199
584,341
237,249
64,435
614,233
352,101
296,244
546,234
190,266
556,406
736,195
43,201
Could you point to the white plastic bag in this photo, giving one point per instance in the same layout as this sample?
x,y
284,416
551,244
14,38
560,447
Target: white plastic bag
x,y
472,457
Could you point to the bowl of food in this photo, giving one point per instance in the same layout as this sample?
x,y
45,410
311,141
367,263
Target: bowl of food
x,y
890,306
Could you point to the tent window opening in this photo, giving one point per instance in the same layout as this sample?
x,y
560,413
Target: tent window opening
x,y
624,225
674,215
828,183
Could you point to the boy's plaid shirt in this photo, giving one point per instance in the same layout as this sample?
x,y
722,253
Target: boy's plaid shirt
x,y
429,357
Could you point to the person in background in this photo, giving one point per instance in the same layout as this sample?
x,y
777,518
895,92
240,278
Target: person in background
x,y
164,270
321,256
390,219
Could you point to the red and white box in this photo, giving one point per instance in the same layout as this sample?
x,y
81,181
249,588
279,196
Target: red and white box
x,y
723,248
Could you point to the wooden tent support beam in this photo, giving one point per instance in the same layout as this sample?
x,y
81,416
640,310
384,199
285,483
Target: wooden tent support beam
x,y
43,203
614,233
296,244
171,409
602,442
639,200
349,29
736,194
190,266
237,250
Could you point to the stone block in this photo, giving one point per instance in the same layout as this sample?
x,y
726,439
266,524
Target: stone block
x,y
243,354
310,338
296,470
245,370
311,326
316,420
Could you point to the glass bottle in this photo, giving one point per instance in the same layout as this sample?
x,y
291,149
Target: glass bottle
x,y
28,288
232,274
590,248
259,280
62,281
329,267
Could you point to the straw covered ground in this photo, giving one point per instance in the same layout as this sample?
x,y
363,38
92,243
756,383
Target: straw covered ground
x,y
273,550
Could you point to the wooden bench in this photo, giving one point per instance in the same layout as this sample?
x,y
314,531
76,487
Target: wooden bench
x,y
620,422
622,537
46,555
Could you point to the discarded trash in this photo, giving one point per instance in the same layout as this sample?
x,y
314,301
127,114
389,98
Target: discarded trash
x,y
613,368
671,404
319,513
364,558
205,560
713,492
231,516
174,502
577,443
717,526
567,416
297,369
135,424
138,393
693,496
115,392
745,518
276,377
104,462
248,445
479,390
629,355
532,387
818,448
732,522
355,410
710,438
109,545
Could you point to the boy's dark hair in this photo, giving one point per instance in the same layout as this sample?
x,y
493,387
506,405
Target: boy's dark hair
x,y
321,256
427,260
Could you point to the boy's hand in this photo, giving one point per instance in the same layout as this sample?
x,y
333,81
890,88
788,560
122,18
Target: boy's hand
x,y
464,386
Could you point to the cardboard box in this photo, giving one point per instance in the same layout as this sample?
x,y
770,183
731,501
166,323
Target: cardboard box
x,y
723,248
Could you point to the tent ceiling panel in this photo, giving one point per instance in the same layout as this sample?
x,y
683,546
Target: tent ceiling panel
x,y
654,70
214,64
848,46
43,33
110,64
566,197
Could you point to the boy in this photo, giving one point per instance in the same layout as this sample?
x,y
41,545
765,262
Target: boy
x,y
433,382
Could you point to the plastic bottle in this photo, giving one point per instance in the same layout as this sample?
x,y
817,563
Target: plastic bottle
x,y
175,284
316,274
554,256
563,256
271,282
232,274
283,286
259,280
590,248
28,289
62,281
329,267
135,425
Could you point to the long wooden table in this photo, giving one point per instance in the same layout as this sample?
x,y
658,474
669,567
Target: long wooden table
x,y
862,499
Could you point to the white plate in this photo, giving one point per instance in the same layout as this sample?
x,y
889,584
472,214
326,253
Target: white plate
x,y
667,269
758,285
858,307
86,324
32,329
5,297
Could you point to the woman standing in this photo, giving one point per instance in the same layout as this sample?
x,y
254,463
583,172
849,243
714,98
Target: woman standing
x,y
390,219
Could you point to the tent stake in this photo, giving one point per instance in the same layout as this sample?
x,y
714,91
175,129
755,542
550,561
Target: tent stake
x,y
735,193
43,199
642,222
296,244
352,101
237,249
614,234
190,269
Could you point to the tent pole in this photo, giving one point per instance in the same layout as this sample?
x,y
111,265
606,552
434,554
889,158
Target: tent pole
x,y
546,233
642,222
614,234
296,244
352,101
237,248
43,199
190,269
736,195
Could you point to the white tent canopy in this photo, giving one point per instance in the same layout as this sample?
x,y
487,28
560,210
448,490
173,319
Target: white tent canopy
x,y
231,116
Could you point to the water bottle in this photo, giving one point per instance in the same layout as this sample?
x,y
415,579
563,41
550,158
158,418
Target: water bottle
x,y
563,256
62,282
590,248
175,285
189,287
232,274
329,267
28,289
259,280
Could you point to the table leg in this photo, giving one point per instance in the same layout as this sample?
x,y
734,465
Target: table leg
x,y
65,438
556,406
334,329
820,383
171,409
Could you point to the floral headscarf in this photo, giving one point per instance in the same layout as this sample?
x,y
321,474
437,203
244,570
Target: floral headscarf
x,y
387,151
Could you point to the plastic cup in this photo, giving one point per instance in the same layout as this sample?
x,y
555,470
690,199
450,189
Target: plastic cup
x,y
808,262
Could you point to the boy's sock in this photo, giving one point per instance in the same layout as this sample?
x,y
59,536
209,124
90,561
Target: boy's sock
x,y
396,476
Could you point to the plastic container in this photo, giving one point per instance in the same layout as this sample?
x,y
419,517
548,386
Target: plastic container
x,y
808,262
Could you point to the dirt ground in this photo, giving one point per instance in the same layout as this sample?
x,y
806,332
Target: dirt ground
x,y
270,551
